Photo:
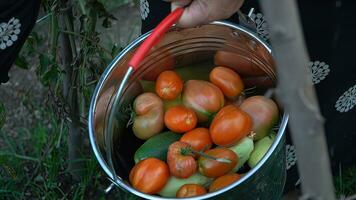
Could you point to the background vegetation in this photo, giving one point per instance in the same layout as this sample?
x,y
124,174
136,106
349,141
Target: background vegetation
x,y
45,153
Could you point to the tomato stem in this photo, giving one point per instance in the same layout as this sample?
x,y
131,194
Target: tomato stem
x,y
186,151
132,114
249,90
192,152
206,147
252,134
222,160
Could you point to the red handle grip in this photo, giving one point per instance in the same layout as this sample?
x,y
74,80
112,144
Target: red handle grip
x,y
155,37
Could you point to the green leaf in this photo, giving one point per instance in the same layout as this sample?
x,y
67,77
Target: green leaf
x,y
31,45
39,139
51,75
2,115
103,13
21,62
44,62
106,22
345,182
39,178
115,50
48,70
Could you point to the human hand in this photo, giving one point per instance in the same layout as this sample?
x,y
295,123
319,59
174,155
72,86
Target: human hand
x,y
204,11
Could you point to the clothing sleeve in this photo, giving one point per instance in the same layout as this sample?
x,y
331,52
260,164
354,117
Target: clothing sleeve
x,y
152,12
17,18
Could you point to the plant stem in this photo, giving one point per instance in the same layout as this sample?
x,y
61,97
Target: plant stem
x,y
68,52
82,7
107,51
19,156
43,18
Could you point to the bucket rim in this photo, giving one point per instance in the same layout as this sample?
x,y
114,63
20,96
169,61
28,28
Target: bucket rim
x,y
119,181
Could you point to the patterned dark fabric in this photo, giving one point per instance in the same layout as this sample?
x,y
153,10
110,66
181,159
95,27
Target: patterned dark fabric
x,y
329,27
17,18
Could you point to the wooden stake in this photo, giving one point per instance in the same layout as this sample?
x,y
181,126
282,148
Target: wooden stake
x,y
296,91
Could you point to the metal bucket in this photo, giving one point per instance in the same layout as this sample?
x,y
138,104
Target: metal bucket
x,y
114,143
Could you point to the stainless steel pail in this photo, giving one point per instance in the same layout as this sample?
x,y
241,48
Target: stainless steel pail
x,y
114,144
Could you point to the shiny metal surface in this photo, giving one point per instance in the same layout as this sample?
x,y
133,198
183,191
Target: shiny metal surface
x,y
110,137
108,133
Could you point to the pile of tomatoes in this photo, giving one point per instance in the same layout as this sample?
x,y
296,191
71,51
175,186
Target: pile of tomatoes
x,y
211,116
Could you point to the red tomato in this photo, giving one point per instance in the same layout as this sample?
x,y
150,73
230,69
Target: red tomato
x,y
213,168
198,138
203,97
228,81
223,181
180,160
190,190
264,114
169,85
230,125
149,175
149,119
180,119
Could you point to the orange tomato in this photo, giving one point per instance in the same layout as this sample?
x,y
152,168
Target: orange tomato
x,y
203,97
180,119
190,190
228,81
213,168
149,175
180,161
169,85
230,125
223,181
198,138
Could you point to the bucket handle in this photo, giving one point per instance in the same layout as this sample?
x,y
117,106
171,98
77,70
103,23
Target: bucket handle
x,y
166,23
156,35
